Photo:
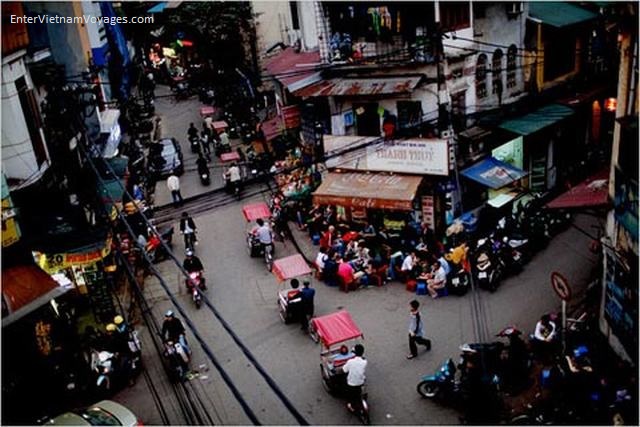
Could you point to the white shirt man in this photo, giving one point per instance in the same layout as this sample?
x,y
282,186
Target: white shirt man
x,y
409,262
264,233
173,183
355,369
234,174
224,138
320,260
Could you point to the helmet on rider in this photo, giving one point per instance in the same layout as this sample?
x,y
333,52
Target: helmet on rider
x,y
111,327
188,252
118,320
169,313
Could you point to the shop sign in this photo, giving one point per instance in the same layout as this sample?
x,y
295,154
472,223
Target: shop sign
x,y
621,302
52,263
625,203
10,229
510,153
417,156
291,117
428,216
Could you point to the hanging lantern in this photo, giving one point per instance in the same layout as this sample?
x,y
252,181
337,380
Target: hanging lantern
x,y
610,104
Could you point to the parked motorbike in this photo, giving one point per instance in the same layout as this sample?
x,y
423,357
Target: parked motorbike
x,y
196,285
488,268
203,172
194,142
155,250
459,281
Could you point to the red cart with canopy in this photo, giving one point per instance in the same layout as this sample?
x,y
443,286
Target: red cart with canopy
x,y
290,267
252,213
338,333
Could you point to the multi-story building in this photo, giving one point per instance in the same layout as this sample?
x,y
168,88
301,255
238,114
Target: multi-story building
x,y
486,78
619,305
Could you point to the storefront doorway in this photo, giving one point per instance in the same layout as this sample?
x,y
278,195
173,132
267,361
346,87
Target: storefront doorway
x,y
367,119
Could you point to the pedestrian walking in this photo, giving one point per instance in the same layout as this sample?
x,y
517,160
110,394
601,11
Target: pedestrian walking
x,y
416,330
173,183
307,294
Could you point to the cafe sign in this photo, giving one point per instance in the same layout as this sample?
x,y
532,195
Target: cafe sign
x,y
414,156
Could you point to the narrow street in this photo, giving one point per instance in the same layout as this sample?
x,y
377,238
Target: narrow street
x,y
245,294
410,152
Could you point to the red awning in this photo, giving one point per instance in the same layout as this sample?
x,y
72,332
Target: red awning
x,y
592,192
26,288
290,267
358,87
290,67
256,210
335,328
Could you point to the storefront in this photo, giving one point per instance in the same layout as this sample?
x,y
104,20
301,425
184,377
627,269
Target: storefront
x,y
84,268
543,131
426,159
390,199
497,177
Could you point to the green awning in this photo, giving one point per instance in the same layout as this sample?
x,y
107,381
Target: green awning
x,y
540,119
559,14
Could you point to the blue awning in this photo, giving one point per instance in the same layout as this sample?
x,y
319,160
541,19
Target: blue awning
x,y
493,173
158,8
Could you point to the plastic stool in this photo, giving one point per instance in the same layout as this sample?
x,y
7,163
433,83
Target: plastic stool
x,y
411,285
421,289
442,292
315,239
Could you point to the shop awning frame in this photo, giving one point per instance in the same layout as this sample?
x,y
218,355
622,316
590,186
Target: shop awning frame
x,y
368,190
590,193
25,289
360,87
559,14
493,173
538,120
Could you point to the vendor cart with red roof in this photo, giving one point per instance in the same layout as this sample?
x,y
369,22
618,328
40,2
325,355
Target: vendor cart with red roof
x,y
338,334
252,213
289,301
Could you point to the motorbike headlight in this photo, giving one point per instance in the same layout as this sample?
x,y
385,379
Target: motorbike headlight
x,y
204,176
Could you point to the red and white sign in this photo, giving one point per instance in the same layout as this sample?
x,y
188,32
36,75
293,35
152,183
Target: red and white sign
x,y
560,286
428,216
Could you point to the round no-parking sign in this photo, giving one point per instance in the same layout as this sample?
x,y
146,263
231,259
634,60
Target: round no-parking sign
x,y
561,286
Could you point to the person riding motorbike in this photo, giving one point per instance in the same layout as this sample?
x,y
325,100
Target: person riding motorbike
x,y
193,131
264,234
188,229
193,265
173,330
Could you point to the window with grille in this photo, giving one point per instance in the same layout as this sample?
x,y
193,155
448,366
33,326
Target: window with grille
x,y
511,66
496,72
481,76
454,15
